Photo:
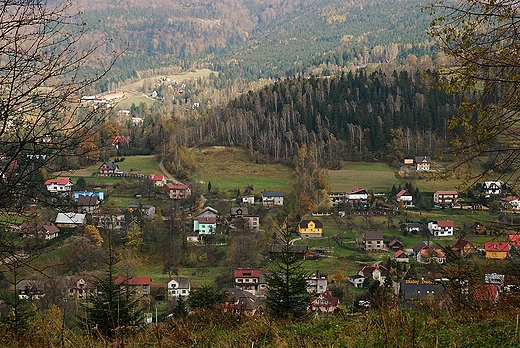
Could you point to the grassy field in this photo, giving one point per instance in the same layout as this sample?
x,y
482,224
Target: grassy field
x,y
378,177
228,169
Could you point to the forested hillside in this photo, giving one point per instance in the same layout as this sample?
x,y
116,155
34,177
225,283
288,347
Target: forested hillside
x,y
361,116
255,38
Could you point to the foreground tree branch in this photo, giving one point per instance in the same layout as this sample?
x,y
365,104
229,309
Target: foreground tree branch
x,y
483,39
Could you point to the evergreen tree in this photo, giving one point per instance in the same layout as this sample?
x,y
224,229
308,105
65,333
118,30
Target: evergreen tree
x,y
114,307
180,310
287,294
205,297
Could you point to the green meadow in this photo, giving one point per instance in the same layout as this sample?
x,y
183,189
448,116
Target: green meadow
x,y
229,169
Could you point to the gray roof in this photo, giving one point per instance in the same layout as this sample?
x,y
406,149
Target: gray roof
x,y
272,194
420,290
184,283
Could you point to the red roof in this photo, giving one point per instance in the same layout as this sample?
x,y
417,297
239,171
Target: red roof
x,y
402,193
509,198
133,280
357,190
206,220
485,292
246,272
156,177
514,239
399,254
445,223
61,180
496,246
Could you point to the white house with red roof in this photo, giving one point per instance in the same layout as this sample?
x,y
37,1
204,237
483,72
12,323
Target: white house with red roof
x,y
358,195
405,197
441,228
59,184
250,280
158,180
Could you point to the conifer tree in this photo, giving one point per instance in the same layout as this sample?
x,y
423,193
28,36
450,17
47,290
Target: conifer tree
x,y
287,294
114,308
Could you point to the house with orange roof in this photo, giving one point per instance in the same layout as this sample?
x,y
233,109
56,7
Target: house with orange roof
x,y
429,255
496,250
158,180
59,184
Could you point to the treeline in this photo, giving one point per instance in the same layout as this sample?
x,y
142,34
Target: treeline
x,y
351,117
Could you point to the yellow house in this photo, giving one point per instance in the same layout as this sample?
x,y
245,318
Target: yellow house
x,y
310,228
496,250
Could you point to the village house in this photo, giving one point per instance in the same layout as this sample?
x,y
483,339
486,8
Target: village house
x,y
310,228
395,245
158,180
59,185
511,203
412,227
373,240
253,221
99,194
277,247
413,292
405,197
429,255
251,280
441,228
45,230
179,287
377,272
177,191
492,188
272,198
445,198
109,168
356,280
88,204
514,240
79,287
464,248
401,256
357,197
30,289
422,163
496,250
242,302
336,199
325,303
70,219
138,286
109,222
316,284
147,211
205,222
249,199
